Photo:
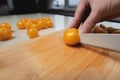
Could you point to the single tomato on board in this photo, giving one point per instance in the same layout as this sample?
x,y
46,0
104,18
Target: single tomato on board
x,y
71,36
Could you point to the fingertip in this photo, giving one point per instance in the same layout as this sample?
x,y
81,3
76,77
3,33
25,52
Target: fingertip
x,y
83,30
80,28
73,25
79,13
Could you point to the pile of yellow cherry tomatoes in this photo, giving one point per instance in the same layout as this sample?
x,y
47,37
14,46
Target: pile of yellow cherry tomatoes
x,y
32,26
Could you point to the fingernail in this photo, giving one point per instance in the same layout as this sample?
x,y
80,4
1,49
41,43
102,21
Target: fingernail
x,y
81,31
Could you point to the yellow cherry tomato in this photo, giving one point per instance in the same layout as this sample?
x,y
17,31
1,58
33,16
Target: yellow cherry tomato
x,y
24,19
49,24
71,36
48,19
41,24
6,25
34,21
28,24
5,34
20,25
32,32
34,26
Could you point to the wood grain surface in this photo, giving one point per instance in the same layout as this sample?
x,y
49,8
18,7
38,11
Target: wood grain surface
x,y
48,58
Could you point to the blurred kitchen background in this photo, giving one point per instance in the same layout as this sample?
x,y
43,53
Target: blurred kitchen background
x,y
63,7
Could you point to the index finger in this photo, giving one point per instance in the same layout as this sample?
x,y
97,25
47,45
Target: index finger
x,y
79,13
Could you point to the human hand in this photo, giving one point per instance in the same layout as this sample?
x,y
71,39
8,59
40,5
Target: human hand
x,y
97,11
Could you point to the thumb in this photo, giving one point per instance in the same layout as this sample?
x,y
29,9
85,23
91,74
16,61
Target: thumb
x,y
90,22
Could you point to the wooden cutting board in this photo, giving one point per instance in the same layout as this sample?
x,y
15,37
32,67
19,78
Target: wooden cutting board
x,y
48,58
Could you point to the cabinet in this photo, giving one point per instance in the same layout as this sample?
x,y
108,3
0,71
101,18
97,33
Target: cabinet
x,y
21,6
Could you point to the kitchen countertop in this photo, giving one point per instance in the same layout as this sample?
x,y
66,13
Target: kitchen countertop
x,y
60,23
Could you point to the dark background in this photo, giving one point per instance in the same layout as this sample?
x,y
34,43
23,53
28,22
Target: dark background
x,y
9,7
